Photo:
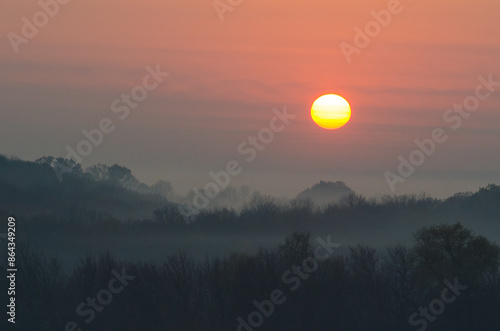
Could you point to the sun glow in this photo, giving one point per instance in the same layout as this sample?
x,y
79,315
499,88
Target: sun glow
x,y
330,111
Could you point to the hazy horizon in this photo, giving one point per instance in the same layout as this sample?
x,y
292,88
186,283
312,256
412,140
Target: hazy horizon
x,y
226,77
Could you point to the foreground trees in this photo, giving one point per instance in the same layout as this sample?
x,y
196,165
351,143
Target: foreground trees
x,y
363,289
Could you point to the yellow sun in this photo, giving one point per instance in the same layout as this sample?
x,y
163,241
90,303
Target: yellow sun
x,y
331,111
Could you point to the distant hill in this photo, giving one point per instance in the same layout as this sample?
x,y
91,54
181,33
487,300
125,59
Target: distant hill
x,y
326,192
96,193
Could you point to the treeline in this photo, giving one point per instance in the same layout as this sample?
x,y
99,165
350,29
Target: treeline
x,y
447,280
353,213
264,213
111,198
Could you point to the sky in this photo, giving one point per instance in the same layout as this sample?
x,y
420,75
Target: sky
x,y
229,66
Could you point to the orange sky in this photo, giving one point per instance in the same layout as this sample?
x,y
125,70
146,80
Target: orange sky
x,y
226,76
